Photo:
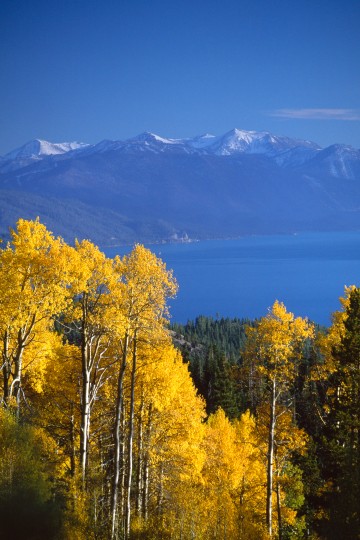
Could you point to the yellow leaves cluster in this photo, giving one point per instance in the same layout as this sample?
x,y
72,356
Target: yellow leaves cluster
x,y
37,265
329,341
177,412
148,285
33,278
275,342
203,479
41,276
40,357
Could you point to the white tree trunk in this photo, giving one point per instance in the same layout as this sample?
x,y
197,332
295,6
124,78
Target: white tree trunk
x,y
270,458
118,439
130,443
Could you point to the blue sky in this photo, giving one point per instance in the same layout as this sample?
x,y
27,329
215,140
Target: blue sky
x,y
111,69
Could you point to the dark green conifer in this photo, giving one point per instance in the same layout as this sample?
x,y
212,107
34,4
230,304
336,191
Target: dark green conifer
x,y
344,445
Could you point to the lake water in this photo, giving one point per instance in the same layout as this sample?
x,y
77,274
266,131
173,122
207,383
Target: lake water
x,y
243,277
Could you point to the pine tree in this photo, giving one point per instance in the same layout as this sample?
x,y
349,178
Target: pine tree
x,y
344,420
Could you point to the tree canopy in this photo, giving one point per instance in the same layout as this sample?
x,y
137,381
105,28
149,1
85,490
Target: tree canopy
x,y
107,431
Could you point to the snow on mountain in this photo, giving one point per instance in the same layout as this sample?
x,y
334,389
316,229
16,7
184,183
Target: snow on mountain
x,y
150,142
257,142
151,138
285,151
338,160
39,148
103,146
233,142
151,188
237,140
296,156
202,141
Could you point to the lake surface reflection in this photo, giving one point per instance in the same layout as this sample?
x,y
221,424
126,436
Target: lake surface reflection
x,y
243,277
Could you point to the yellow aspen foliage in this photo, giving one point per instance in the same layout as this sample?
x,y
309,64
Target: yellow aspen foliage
x,y
148,283
276,343
33,279
91,276
89,323
118,430
275,346
139,312
222,476
332,338
172,457
251,491
59,406
288,440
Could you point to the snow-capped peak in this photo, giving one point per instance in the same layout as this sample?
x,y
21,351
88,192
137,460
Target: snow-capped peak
x,y
198,142
147,137
256,142
201,141
40,148
237,141
234,141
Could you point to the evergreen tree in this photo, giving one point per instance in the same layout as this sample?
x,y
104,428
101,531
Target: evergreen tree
x,y
224,388
345,427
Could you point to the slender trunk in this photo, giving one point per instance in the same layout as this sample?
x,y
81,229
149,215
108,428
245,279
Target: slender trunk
x,y
85,399
85,423
145,493
18,360
118,438
6,377
270,458
139,479
130,441
121,496
146,467
72,443
6,367
23,337
278,504
160,491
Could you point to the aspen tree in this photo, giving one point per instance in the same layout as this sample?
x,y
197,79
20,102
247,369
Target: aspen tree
x,y
142,306
251,492
174,455
91,279
275,343
222,475
58,406
288,440
33,279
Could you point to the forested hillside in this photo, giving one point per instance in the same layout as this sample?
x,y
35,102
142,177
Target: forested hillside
x,y
235,364
107,431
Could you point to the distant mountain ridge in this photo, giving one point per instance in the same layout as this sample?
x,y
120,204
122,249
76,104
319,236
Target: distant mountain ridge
x,y
232,142
39,148
151,188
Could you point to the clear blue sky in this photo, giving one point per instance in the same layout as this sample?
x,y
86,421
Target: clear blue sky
x,y
90,70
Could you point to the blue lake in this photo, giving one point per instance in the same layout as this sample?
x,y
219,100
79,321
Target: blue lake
x,y
243,277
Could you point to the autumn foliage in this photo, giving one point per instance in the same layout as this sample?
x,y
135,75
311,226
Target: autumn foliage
x,y
103,434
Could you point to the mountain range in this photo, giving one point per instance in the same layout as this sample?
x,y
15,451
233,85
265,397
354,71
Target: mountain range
x,y
152,189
